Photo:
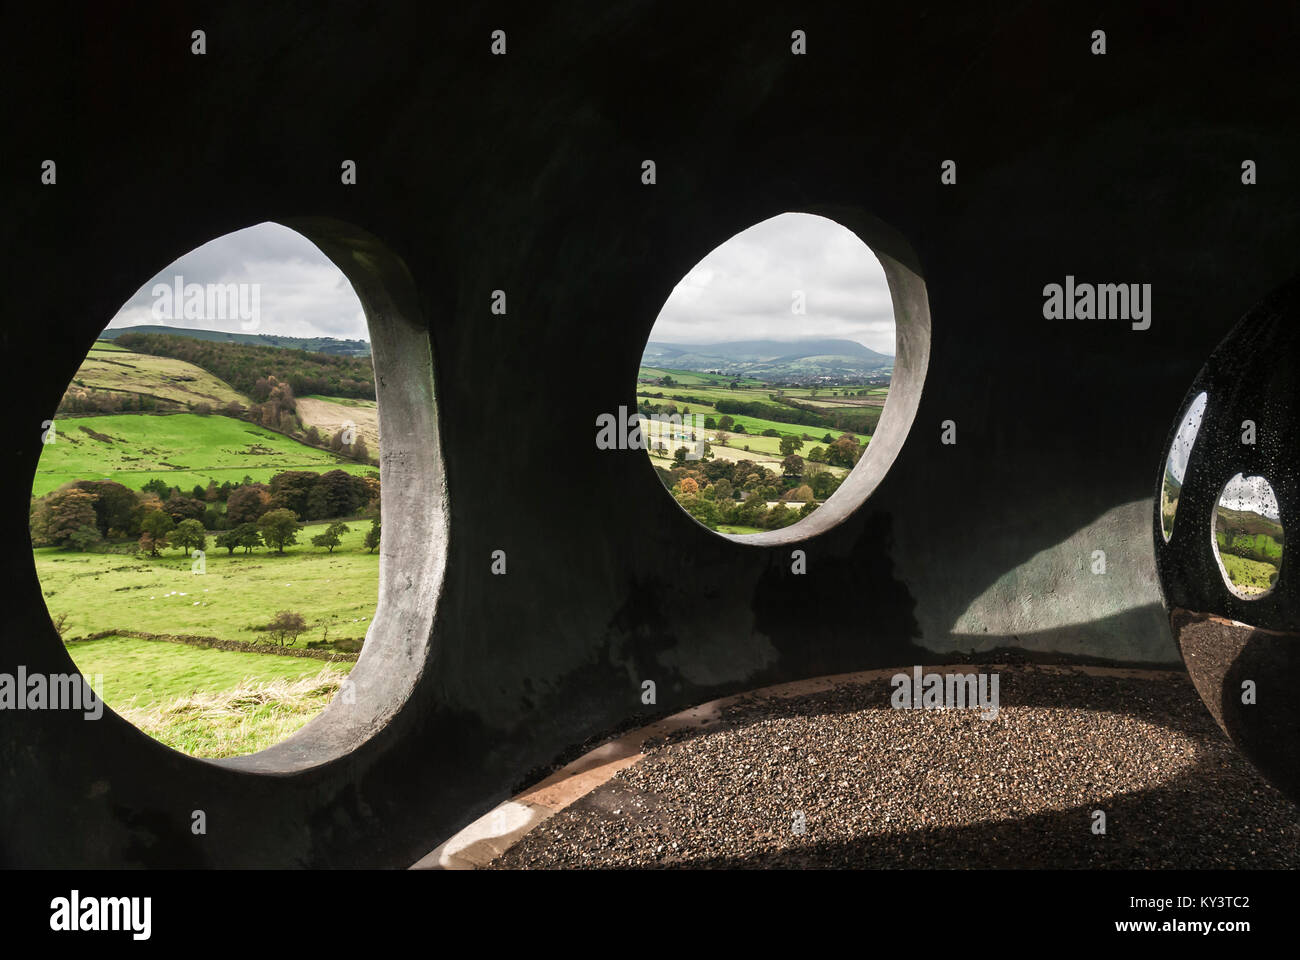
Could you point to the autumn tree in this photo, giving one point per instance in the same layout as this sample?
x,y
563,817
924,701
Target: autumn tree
x,y
369,492
335,494
183,508
844,452
114,506
247,503
151,544
67,512
290,489
802,493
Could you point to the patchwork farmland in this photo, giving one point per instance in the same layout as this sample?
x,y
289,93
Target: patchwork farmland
x,y
743,455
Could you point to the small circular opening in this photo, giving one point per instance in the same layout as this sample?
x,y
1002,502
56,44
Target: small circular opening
x,y
1247,537
782,375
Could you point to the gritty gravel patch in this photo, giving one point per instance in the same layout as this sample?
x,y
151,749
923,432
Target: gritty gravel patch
x,y
879,787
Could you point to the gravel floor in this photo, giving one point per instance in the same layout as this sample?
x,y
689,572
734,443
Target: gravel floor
x,y
879,787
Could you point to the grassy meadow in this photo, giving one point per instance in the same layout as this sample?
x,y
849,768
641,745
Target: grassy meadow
x,y
111,368
754,426
182,449
1250,547
1250,577
205,702
249,716
148,673
110,591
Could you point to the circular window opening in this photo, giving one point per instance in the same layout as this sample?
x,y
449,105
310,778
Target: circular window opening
x,y
781,377
1176,463
1248,537
206,514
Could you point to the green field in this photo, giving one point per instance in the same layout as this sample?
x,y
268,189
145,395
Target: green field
x,y
182,449
1255,544
1248,576
693,377
207,703
755,426
761,394
733,453
716,387
105,591
147,673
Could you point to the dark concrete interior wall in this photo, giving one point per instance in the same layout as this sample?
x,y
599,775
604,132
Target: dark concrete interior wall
x,y
522,173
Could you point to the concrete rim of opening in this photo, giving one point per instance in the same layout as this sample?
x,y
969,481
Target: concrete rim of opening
x,y
412,552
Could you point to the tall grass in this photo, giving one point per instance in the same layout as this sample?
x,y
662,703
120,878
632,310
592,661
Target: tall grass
x,y
244,719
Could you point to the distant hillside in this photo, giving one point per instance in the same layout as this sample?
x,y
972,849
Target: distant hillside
x,y
1247,523
246,367
183,450
327,345
771,359
113,380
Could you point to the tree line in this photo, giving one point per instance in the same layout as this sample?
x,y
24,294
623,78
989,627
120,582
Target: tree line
x,y
242,365
85,513
718,492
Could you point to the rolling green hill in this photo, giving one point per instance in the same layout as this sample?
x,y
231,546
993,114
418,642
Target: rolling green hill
x,y
182,449
174,384
247,367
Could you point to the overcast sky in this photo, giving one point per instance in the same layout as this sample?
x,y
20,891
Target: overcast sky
x,y
743,289
1250,493
301,293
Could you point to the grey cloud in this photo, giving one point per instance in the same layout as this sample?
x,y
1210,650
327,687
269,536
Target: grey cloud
x,y
743,289
303,294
